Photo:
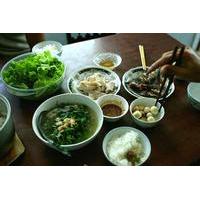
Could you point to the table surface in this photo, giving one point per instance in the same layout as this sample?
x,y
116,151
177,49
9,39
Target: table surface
x,y
175,141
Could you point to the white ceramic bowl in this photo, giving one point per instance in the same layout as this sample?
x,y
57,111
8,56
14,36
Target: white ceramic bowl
x,y
145,101
53,46
193,92
117,132
7,129
68,99
115,58
117,100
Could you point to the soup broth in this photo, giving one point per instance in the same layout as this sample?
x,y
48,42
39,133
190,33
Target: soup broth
x,y
68,124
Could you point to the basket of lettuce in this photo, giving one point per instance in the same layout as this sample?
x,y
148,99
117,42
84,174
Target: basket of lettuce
x,y
33,76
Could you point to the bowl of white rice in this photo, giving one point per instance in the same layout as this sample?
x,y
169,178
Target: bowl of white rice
x,y
126,146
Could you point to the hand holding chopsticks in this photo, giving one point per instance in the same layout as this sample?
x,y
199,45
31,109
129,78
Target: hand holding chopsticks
x,y
175,60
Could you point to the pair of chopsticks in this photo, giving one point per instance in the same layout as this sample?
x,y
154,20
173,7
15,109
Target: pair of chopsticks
x,y
142,56
175,60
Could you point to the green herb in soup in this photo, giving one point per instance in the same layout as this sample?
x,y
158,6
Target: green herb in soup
x,y
67,124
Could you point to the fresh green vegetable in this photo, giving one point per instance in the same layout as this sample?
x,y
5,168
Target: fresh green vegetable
x,y
66,124
34,71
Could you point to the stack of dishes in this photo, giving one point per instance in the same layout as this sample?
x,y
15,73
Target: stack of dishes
x,y
193,92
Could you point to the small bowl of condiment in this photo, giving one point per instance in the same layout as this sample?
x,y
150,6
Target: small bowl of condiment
x,y
53,46
107,60
114,107
144,112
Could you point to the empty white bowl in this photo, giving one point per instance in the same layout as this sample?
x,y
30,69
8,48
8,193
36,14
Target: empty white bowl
x,y
145,101
115,58
118,132
113,99
193,92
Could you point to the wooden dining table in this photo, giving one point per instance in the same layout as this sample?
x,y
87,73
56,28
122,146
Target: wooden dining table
x,y
175,141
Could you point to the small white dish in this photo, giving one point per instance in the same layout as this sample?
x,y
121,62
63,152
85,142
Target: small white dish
x,y
193,92
120,131
144,101
54,47
116,100
111,57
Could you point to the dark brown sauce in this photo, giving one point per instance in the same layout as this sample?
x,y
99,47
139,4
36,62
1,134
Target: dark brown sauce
x,y
112,110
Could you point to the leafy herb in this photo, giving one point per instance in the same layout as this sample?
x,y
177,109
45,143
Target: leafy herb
x,y
34,71
65,124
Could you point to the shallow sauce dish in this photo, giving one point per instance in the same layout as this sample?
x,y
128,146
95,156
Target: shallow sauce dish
x,y
107,60
68,99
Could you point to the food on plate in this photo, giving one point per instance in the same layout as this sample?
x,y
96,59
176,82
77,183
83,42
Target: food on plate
x,y
111,109
145,85
126,149
67,124
2,118
34,71
95,85
49,47
145,113
106,63
53,46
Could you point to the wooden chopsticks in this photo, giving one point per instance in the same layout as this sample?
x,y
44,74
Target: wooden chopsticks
x,y
142,56
175,60
165,78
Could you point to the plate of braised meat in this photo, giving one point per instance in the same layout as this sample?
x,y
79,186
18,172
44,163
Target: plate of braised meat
x,y
137,83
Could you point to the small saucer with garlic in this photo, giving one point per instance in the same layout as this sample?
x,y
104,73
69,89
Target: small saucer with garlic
x,y
145,113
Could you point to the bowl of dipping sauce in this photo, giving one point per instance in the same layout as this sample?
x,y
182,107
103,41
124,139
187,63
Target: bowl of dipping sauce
x,y
114,107
107,60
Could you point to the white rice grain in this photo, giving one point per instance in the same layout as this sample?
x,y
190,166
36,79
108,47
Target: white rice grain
x,y
118,147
